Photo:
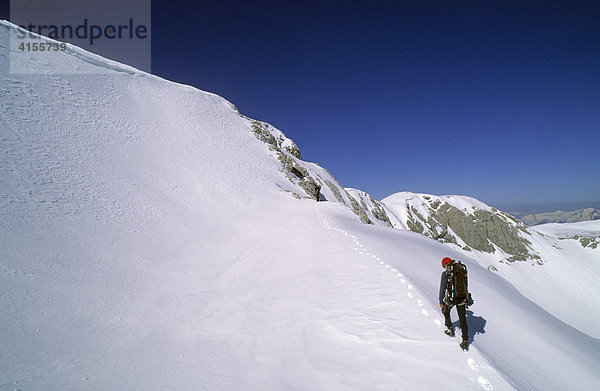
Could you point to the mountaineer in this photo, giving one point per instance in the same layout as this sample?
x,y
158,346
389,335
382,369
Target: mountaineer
x,y
454,292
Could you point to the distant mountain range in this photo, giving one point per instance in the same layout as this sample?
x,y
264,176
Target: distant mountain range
x,y
559,216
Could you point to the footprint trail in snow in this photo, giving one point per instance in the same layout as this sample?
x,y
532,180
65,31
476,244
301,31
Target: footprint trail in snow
x,y
362,251
482,381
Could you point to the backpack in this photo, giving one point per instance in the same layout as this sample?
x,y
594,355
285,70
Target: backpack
x,y
457,286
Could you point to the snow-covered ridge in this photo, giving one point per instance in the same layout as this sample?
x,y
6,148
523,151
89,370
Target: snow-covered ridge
x,y
303,177
73,60
309,176
464,203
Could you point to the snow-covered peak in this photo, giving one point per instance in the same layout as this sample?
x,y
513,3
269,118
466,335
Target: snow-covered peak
x,y
422,201
462,221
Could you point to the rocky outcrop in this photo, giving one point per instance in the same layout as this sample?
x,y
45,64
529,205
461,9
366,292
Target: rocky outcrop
x,y
307,176
288,155
585,241
373,210
460,221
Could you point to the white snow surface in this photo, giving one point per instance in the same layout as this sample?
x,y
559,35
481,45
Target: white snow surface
x,y
146,244
591,228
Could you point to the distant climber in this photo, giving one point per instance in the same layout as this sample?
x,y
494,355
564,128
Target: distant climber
x,y
317,193
454,291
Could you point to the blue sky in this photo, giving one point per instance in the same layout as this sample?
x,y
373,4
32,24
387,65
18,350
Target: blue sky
x,y
496,100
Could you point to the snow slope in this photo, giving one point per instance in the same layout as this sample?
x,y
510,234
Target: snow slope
x,y
560,272
151,241
570,230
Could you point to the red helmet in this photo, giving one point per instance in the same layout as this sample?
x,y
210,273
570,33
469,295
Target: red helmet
x,y
446,261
